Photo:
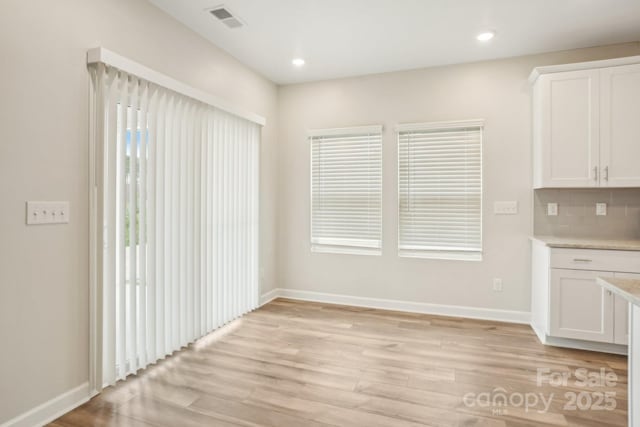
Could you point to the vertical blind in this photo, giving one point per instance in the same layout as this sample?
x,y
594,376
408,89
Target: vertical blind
x,y
346,190
440,189
176,196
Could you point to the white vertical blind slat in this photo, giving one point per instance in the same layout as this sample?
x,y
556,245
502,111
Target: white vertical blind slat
x,y
196,330
121,330
212,221
159,234
131,148
110,181
255,217
149,226
218,210
142,238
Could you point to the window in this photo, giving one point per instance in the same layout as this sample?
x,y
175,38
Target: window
x,y
440,190
346,190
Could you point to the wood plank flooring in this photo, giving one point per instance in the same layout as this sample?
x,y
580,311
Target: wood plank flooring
x,y
293,363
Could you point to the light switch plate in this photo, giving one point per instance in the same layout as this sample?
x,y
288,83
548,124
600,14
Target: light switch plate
x,y
552,209
601,209
505,208
47,213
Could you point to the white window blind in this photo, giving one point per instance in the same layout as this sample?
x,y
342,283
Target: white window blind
x,y
175,192
346,190
440,190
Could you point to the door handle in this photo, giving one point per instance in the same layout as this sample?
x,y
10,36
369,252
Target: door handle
x,y
581,260
606,173
595,173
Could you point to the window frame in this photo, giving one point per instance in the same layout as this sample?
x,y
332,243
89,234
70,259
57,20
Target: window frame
x,y
444,254
358,247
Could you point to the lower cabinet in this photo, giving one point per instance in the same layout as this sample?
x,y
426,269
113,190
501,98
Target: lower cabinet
x,y
580,308
569,308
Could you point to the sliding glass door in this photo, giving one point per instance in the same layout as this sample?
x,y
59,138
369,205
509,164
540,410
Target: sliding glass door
x,y
176,201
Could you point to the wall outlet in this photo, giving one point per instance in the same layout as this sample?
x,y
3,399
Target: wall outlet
x,y
47,213
552,209
505,208
601,209
497,284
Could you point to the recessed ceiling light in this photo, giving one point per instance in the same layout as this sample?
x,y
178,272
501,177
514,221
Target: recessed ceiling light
x,y
486,36
298,62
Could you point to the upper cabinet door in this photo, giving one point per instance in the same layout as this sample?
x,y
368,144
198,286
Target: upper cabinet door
x,y
620,126
568,129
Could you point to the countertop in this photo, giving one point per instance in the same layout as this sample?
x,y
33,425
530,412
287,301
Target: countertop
x,y
628,289
583,243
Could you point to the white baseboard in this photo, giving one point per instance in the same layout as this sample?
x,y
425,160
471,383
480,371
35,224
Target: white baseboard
x,y
542,337
52,409
269,296
601,347
510,316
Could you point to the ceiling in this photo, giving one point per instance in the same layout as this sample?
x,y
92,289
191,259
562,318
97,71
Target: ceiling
x,y
340,38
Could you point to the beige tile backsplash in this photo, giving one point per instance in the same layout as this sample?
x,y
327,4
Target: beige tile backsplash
x,y
577,213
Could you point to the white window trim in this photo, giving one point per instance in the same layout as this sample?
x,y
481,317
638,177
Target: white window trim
x,y
437,254
343,246
344,250
406,251
355,130
408,127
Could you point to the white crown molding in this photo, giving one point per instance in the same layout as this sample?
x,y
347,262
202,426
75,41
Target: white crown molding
x,y
510,316
51,409
616,62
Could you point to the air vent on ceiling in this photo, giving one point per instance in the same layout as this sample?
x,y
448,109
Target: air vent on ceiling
x,y
226,17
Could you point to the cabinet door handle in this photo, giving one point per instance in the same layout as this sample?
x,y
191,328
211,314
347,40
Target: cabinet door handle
x,y
606,173
581,260
595,173
609,293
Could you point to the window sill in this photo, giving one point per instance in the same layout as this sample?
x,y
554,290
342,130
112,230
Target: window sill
x,y
443,255
345,250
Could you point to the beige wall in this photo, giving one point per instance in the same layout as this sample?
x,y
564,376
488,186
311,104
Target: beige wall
x,y
44,156
496,91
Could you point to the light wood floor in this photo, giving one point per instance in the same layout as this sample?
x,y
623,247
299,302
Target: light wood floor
x,y
294,363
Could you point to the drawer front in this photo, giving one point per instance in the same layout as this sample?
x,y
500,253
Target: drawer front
x,y
596,260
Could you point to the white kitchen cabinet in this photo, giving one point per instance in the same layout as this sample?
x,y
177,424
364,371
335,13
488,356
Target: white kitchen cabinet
x,y
568,307
580,308
586,124
620,126
566,120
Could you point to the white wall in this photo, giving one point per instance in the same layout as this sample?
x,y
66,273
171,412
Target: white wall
x,y
496,91
44,156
